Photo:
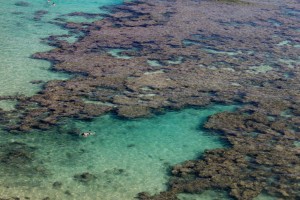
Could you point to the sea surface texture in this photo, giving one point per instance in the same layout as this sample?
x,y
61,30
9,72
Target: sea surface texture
x,y
150,100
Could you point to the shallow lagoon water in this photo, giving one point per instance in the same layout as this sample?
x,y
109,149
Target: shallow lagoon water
x,y
20,37
217,195
126,156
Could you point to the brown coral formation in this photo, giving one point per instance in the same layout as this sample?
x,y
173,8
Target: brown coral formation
x,y
260,159
204,52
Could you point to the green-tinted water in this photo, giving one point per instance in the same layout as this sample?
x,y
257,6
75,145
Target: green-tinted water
x,y
21,31
116,53
126,156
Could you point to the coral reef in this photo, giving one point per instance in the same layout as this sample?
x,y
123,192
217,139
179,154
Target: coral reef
x,y
260,159
204,52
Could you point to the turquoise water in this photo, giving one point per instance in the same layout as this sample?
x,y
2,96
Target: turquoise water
x,y
206,195
20,37
126,156
218,195
117,53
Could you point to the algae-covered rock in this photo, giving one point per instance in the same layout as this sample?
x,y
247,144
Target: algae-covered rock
x,y
85,177
133,111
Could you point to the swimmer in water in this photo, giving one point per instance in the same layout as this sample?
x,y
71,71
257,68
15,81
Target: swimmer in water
x,y
86,134
53,4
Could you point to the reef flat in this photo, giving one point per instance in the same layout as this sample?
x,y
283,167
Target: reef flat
x,y
175,54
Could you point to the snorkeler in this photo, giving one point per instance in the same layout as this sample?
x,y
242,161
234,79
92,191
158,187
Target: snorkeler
x,y
86,134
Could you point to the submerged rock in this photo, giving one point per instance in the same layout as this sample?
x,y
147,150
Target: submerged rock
x,y
22,3
38,15
18,159
133,111
85,177
57,185
17,154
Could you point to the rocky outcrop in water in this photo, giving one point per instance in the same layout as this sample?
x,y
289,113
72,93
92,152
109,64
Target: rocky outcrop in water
x,y
18,159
